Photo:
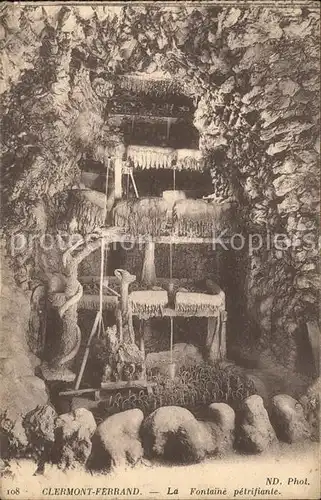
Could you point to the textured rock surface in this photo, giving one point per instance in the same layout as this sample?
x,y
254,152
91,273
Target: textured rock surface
x,y
40,423
20,390
174,434
255,433
288,419
73,433
120,439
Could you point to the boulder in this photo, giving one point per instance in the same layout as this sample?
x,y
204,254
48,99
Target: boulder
x,y
288,419
222,426
13,438
73,435
173,433
119,439
255,433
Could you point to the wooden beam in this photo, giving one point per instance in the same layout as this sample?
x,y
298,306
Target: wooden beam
x,y
132,384
79,392
177,240
110,386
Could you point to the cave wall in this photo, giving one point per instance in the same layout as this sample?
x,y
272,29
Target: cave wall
x,y
271,150
17,364
253,73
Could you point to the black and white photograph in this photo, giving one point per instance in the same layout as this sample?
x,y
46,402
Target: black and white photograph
x,y
160,250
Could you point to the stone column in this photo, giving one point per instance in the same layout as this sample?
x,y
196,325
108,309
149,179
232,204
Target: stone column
x,y
149,272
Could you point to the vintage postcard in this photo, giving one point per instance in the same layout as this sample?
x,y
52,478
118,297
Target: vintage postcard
x,y
160,268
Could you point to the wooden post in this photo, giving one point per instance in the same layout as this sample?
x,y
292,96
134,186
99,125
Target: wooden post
x,y
120,151
213,338
142,348
85,358
149,272
131,325
148,331
119,323
223,335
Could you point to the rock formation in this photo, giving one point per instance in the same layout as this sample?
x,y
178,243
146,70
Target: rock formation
x,y
255,432
73,434
20,390
119,438
288,419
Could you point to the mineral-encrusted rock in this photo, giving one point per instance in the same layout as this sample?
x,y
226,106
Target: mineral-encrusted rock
x,y
288,419
39,425
222,426
174,434
13,438
73,435
119,438
39,428
255,433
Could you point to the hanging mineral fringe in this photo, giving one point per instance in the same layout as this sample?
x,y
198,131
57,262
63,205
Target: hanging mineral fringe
x,y
150,84
91,302
199,303
85,213
147,157
148,304
195,218
145,216
189,159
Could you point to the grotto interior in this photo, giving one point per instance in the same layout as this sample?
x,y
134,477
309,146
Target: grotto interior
x,y
124,153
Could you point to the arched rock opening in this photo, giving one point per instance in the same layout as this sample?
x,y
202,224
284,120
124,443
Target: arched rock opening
x,y
256,112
